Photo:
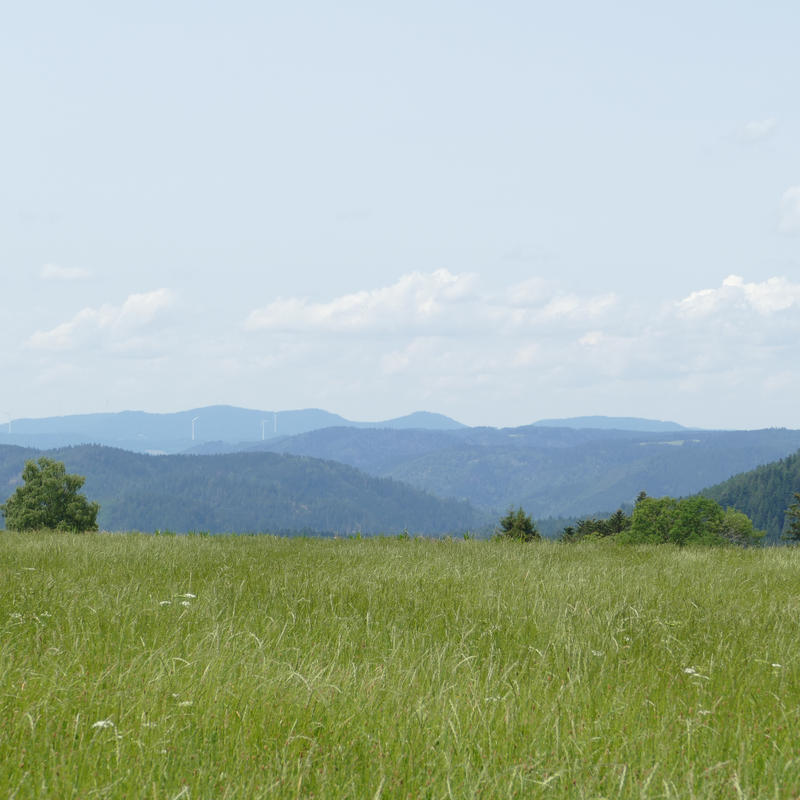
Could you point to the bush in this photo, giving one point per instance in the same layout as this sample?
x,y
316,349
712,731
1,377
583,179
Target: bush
x,y
517,526
49,499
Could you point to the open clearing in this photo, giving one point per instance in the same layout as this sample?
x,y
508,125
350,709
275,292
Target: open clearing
x,y
161,667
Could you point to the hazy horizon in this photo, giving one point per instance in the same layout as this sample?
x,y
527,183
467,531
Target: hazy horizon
x,y
499,213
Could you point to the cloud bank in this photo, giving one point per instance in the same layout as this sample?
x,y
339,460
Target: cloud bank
x,y
112,327
441,335
716,357
440,303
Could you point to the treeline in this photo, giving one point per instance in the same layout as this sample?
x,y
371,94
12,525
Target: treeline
x,y
244,492
694,520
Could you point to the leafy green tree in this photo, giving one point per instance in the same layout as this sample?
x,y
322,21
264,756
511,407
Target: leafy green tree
x,y
517,526
652,520
698,521
793,512
49,499
693,520
738,528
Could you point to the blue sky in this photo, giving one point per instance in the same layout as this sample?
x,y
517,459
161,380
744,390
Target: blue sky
x,y
501,212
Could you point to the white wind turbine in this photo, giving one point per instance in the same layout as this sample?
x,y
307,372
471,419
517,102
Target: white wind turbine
x,y
193,421
9,418
262,429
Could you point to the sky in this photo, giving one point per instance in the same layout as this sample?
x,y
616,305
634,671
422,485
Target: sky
x,y
501,212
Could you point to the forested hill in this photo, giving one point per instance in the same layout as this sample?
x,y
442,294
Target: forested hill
x,y
243,492
763,494
549,471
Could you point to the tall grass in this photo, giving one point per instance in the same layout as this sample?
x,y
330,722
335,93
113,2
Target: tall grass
x,y
163,667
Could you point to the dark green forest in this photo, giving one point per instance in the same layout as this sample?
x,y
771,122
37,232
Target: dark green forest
x,y
244,492
763,494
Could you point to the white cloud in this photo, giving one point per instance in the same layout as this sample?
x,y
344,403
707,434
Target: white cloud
x,y
790,211
767,297
756,131
111,326
438,303
52,272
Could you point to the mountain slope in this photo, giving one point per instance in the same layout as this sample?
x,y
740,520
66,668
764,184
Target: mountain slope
x,y
550,471
244,492
763,494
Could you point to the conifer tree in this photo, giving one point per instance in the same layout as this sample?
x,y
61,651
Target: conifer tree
x,y
793,512
518,526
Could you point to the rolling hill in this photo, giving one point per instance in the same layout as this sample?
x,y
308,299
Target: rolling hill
x,y
244,492
549,471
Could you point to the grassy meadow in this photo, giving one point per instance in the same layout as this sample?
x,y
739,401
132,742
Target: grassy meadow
x,y
243,667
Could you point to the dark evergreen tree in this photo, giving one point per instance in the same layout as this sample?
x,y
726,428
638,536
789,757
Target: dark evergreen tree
x,y
793,513
619,521
517,526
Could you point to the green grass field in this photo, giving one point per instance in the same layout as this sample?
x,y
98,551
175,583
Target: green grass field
x,y
197,667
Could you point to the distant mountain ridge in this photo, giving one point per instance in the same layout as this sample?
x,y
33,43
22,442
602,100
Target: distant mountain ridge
x,y
141,431
222,428
614,423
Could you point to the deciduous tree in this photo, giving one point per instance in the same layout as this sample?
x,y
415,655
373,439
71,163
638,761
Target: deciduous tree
x,y
49,499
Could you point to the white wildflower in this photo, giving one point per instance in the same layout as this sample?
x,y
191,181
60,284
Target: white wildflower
x,y
189,595
185,603
690,671
103,724
777,666
165,602
186,703
15,615
598,653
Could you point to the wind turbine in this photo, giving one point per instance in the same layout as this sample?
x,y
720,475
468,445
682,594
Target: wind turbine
x,y
276,423
9,418
262,429
193,421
